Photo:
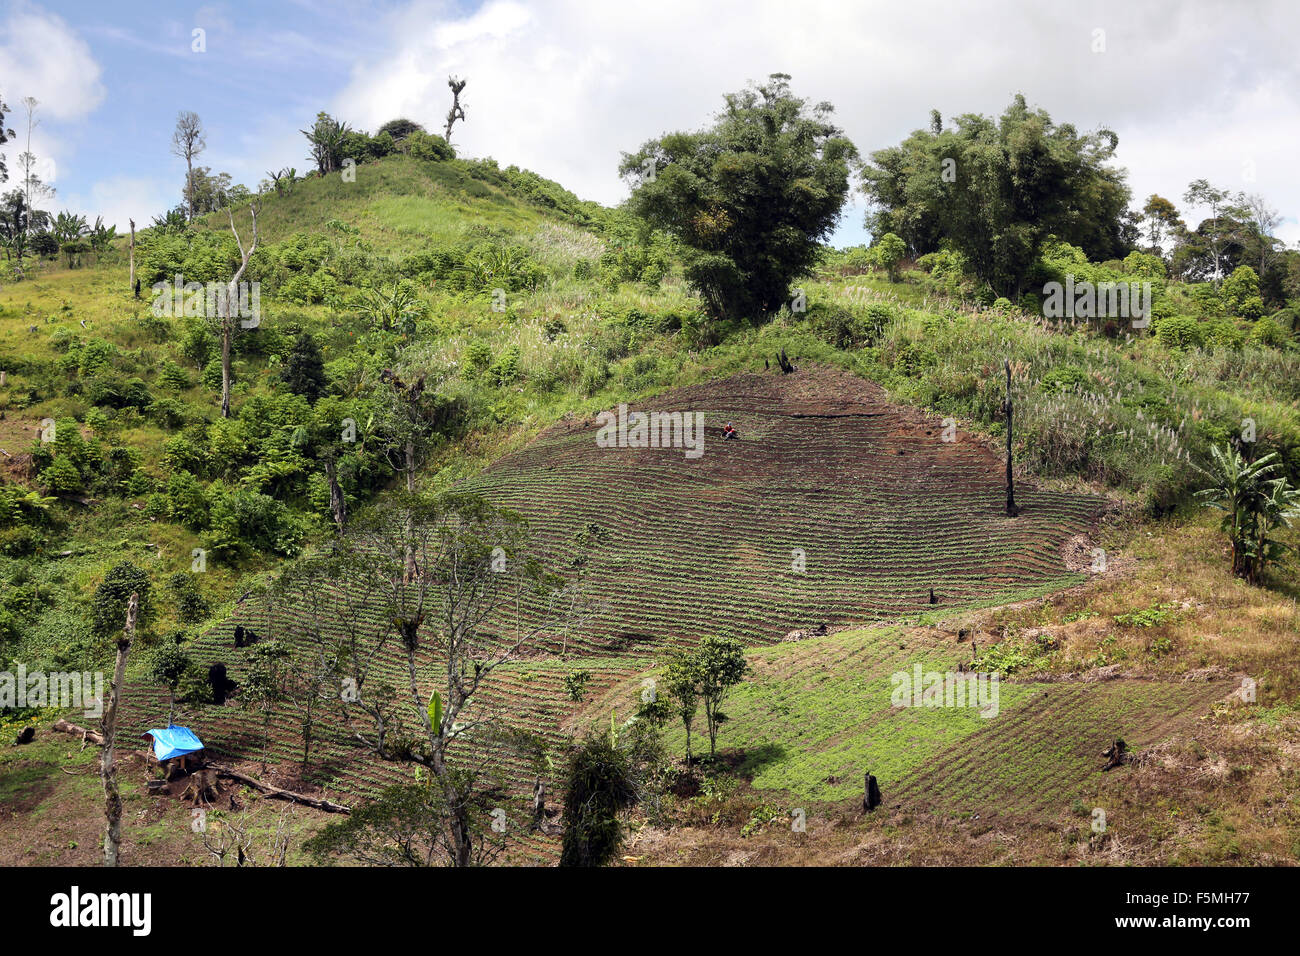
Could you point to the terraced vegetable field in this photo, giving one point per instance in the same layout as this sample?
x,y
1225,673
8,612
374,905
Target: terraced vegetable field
x,y
879,506
817,714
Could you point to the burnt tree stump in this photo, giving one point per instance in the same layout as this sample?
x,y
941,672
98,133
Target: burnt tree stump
x,y
870,793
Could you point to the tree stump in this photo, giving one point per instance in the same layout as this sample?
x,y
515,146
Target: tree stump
x,y
1114,754
870,793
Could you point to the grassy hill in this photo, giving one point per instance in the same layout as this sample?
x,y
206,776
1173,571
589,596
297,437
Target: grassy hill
x,y
842,460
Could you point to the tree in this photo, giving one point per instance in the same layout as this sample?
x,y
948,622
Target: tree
x,y
889,251
403,826
34,190
750,199
599,786
996,189
188,140
68,227
101,237
719,665
14,226
1201,193
326,137
227,311
1263,219
1255,501
455,84
107,767
5,136
304,370
1161,219
168,665
263,685
682,678
310,681
458,588
414,419
210,193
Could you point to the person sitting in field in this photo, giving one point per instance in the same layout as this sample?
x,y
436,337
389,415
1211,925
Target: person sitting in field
x,y
729,432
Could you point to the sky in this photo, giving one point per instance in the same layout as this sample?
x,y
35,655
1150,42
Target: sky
x,y
1193,89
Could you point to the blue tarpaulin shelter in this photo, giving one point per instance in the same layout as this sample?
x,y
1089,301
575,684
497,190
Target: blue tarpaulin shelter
x,y
174,742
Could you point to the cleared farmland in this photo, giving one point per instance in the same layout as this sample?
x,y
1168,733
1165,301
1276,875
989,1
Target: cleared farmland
x,y
878,505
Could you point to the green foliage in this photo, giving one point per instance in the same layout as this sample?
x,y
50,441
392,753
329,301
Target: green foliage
x,y
108,606
749,200
304,372
575,684
996,189
888,252
1179,333
1256,501
191,606
1153,616
599,785
427,146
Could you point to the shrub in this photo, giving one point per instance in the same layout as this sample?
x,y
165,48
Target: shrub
x,y
1179,333
1268,332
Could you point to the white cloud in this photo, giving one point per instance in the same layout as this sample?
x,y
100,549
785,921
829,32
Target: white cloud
x,y
562,87
41,56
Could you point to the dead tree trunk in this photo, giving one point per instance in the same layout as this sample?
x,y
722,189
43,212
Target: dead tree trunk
x,y
107,769
232,291
456,112
1012,510
134,288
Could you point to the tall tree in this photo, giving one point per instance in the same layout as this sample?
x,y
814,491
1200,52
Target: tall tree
x,y
33,189
600,785
304,370
1201,193
1161,220
996,189
750,199
188,140
1263,219
5,136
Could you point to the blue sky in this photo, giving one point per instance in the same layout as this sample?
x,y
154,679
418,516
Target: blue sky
x,y
1195,89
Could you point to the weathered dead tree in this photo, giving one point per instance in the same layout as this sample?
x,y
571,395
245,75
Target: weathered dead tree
x,y
456,112
786,365
107,769
228,309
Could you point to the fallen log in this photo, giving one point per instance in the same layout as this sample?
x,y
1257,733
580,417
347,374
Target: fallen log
x,y
65,727
272,791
